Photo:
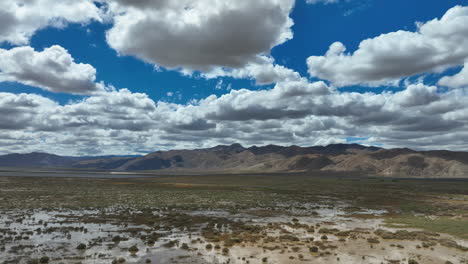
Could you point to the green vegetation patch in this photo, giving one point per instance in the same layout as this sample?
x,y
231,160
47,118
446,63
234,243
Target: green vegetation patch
x,y
447,225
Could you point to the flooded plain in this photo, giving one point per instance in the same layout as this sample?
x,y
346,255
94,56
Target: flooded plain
x,y
224,219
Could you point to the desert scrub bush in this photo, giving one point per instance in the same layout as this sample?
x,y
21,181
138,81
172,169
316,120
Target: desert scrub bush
x,y
314,249
170,244
288,238
373,240
119,260
81,246
328,230
116,239
133,249
427,244
343,233
452,244
184,246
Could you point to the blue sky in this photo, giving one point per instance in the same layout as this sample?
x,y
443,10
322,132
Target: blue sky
x,y
82,36
316,27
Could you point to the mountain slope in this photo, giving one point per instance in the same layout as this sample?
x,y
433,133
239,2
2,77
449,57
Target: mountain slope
x,y
404,163
46,160
271,158
35,159
235,157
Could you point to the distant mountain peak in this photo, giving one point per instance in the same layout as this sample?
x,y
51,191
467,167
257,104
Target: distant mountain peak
x,y
232,147
366,160
236,145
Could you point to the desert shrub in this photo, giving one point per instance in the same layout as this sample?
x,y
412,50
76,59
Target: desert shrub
x,y
133,249
288,238
81,246
184,246
313,249
373,240
44,259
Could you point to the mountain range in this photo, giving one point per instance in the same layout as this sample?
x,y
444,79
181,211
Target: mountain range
x,y
235,158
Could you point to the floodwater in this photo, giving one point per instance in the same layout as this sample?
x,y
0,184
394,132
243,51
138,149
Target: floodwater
x,y
26,235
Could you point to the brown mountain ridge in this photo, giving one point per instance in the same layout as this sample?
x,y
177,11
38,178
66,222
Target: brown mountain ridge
x,y
272,158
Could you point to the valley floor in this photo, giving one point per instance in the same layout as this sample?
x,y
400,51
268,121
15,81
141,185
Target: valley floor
x,y
277,218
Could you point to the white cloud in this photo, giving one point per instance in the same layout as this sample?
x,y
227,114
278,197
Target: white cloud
x,y
294,111
436,46
264,71
458,80
20,111
416,95
52,69
199,35
219,85
301,113
21,19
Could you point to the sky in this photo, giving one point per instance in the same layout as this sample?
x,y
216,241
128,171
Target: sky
x,y
82,77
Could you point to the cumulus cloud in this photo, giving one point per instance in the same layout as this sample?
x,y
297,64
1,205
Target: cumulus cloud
x,y
199,35
263,71
417,94
114,110
232,38
21,19
52,69
436,45
20,111
120,121
458,80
